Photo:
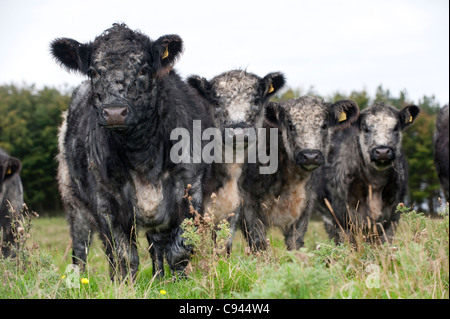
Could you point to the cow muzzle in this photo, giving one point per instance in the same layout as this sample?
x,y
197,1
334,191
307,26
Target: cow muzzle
x,y
115,116
309,159
241,136
382,156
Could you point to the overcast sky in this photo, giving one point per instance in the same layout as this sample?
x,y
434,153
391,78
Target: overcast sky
x,y
331,45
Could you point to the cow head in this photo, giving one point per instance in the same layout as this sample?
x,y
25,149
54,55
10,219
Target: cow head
x,y
238,98
123,66
9,167
304,125
380,133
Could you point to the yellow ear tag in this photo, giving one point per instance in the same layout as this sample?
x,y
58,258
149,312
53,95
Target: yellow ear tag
x,y
342,117
410,119
8,171
271,89
165,54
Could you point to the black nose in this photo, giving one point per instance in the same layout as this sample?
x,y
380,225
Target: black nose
x,y
115,115
310,159
382,155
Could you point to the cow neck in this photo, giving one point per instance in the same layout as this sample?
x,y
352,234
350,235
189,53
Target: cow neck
x,y
141,145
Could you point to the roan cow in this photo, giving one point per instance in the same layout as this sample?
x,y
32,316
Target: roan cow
x,y
366,175
441,158
238,99
115,174
11,200
284,199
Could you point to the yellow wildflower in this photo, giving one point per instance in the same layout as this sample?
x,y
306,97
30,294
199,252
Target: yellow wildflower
x,y
162,292
84,280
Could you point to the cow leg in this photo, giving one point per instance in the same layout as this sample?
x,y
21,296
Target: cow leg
x,y
234,223
254,229
121,250
177,254
156,250
295,234
123,257
81,233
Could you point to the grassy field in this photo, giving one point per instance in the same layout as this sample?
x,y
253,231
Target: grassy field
x,y
414,265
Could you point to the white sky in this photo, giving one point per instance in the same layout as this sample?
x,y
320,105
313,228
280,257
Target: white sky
x,y
331,45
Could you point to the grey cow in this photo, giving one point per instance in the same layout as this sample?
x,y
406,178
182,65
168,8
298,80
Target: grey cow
x,y
11,199
366,175
238,99
285,199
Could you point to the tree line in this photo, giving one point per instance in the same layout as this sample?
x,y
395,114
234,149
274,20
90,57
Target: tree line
x,y
30,117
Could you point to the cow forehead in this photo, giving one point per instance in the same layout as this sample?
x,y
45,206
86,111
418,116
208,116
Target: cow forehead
x,y
381,121
313,112
236,85
107,59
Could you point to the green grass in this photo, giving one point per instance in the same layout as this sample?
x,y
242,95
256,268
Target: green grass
x,y
414,265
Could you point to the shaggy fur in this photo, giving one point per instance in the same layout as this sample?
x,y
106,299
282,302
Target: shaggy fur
x,y
284,199
441,159
238,99
116,176
11,199
358,188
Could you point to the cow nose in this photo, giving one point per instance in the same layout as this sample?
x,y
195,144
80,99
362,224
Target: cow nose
x,y
310,159
382,154
233,132
115,115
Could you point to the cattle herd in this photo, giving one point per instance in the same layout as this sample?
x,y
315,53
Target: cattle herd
x,y
117,174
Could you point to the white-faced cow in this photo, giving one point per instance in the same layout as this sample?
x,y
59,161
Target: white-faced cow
x,y
366,175
11,200
284,199
115,174
441,158
238,99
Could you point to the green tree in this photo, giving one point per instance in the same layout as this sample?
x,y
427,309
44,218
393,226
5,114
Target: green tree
x,y
29,121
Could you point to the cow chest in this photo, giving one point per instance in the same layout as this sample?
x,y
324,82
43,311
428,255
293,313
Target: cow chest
x,y
286,208
147,200
228,197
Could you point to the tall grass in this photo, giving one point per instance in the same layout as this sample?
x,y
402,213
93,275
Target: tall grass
x,y
414,265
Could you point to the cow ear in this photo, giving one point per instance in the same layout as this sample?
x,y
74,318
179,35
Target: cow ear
x,y
165,51
273,114
201,85
13,166
71,54
408,114
271,83
343,113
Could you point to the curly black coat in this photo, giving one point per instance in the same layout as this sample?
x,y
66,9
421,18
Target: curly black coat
x,y
115,172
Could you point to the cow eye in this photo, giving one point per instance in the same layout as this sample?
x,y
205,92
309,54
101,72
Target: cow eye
x,y
396,128
143,71
291,126
365,128
92,73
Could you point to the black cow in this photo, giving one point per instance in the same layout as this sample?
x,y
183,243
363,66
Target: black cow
x,y
441,158
238,99
285,198
11,199
115,173
366,175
